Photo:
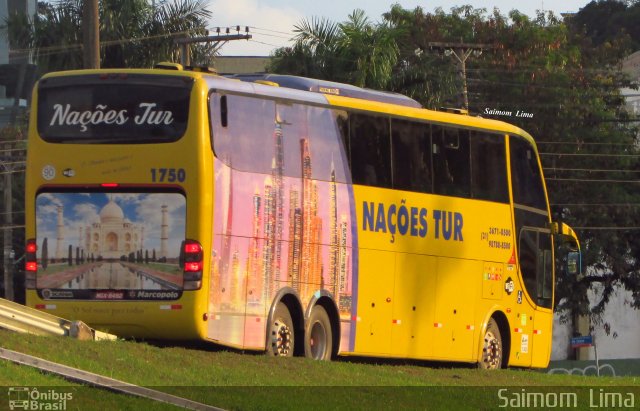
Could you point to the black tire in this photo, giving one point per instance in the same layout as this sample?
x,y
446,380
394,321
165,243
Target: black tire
x,y
280,337
492,351
318,337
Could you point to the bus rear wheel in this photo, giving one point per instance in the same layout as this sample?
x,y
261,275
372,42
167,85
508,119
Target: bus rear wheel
x,y
280,341
318,336
491,348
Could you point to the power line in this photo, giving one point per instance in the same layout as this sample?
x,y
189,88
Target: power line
x,y
592,180
12,141
10,227
607,228
266,44
596,204
66,47
273,35
589,155
587,143
273,31
12,172
590,170
13,212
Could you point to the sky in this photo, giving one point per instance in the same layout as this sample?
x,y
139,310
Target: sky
x,y
271,22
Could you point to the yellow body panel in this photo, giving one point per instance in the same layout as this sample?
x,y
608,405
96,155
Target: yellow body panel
x,y
122,165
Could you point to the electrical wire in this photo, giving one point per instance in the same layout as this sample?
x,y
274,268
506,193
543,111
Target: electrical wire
x,y
632,145
592,180
589,170
273,31
261,42
596,204
590,155
10,227
607,228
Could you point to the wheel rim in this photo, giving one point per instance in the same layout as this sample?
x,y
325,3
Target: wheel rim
x,y
281,339
491,352
318,340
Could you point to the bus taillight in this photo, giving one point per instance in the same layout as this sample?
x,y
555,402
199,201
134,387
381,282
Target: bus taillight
x,y
31,264
193,257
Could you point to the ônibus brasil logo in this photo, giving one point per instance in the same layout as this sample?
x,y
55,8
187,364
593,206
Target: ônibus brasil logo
x,y
25,398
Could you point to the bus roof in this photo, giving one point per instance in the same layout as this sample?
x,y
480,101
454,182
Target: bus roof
x,y
318,92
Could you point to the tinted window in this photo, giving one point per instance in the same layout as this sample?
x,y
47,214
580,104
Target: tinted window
x,y
411,156
370,149
268,137
526,176
132,109
488,168
536,265
451,171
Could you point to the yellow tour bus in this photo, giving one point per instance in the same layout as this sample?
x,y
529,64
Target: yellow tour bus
x,y
288,215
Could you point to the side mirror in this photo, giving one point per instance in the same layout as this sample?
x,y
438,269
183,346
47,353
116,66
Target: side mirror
x,y
569,247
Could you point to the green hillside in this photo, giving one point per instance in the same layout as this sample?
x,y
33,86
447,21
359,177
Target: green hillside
x,y
237,381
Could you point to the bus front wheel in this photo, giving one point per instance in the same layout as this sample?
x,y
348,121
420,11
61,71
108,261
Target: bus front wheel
x,y
281,341
491,348
318,337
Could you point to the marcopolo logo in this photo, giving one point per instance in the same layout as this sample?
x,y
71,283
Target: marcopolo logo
x,y
25,398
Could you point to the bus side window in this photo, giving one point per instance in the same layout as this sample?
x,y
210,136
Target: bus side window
x,y
411,144
536,265
342,119
489,168
224,120
370,150
526,177
451,171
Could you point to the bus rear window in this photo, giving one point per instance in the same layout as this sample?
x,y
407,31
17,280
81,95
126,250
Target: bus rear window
x,y
113,109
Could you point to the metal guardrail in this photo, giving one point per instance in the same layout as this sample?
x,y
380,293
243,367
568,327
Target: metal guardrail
x,y
22,319
100,381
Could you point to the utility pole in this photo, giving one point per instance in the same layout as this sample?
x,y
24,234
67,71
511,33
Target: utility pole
x,y
8,167
218,40
461,51
90,35
7,232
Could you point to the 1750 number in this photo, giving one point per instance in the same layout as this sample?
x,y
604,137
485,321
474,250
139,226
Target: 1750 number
x,y
168,175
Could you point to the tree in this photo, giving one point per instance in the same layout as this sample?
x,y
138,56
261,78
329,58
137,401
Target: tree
x,y
609,20
356,51
132,32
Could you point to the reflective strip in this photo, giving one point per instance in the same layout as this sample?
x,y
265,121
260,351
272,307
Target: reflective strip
x,y
46,306
396,322
518,330
171,307
471,327
537,332
437,325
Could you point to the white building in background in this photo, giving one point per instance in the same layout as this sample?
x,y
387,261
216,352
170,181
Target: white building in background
x,y
617,336
7,8
631,66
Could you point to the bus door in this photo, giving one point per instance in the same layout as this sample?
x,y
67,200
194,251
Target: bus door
x,y
536,265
